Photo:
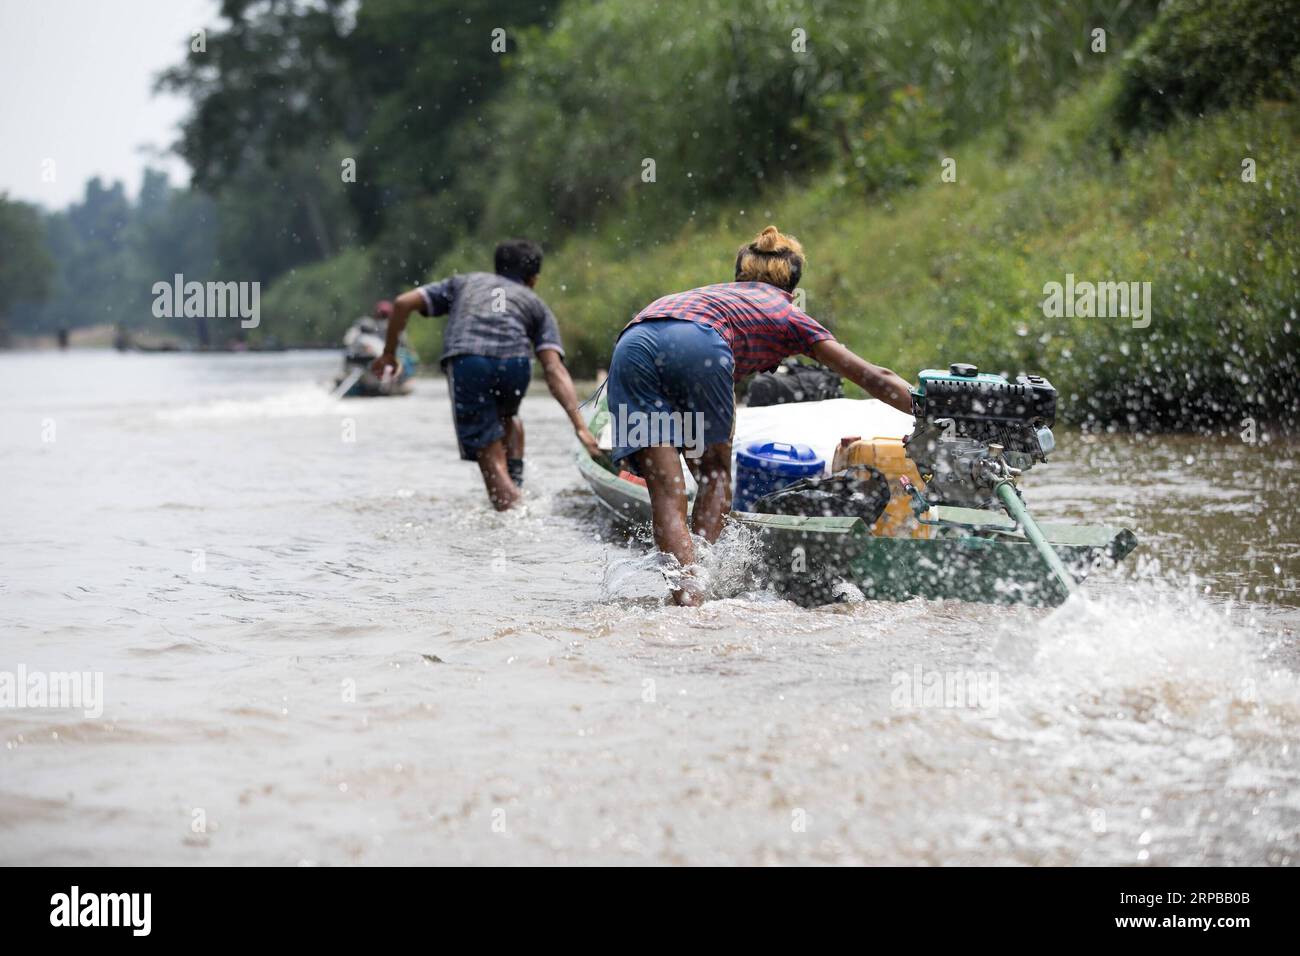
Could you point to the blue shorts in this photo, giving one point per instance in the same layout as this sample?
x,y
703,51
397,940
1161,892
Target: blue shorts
x,y
484,391
670,383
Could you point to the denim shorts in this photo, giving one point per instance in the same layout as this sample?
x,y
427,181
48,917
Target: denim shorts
x,y
670,383
484,390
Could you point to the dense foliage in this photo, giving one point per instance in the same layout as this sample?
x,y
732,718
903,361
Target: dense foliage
x,y
956,271
1205,55
728,102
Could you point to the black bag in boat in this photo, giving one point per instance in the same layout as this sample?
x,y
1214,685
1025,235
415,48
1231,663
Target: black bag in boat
x,y
857,492
794,382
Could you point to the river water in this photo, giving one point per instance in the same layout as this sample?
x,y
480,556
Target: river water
x,y
318,645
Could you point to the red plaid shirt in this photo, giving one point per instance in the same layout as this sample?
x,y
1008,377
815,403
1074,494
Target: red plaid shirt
x,y
759,321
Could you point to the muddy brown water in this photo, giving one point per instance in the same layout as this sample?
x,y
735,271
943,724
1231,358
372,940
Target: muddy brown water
x,y
318,645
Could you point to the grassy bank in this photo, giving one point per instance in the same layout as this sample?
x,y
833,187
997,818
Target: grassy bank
x,y
956,271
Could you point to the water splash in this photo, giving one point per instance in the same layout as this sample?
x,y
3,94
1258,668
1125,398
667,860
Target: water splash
x,y
1150,652
723,569
306,401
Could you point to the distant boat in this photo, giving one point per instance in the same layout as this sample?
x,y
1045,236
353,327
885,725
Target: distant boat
x,y
362,344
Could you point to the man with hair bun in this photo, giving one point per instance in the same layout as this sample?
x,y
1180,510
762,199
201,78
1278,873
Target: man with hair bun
x,y
495,322
683,352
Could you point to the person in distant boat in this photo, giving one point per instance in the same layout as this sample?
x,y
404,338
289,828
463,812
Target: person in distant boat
x,y
376,323
681,355
495,322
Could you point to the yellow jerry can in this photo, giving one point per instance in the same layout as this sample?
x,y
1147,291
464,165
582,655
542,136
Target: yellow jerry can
x,y
889,456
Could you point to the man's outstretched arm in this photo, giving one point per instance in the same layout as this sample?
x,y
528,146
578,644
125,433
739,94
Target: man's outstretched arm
x,y
561,386
876,381
403,306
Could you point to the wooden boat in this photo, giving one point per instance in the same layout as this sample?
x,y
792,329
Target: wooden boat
x,y
974,554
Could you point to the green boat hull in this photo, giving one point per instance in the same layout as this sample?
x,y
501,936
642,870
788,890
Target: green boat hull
x,y
810,559
975,555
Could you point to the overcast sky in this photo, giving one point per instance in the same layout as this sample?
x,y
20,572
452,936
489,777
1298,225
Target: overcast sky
x,y
75,82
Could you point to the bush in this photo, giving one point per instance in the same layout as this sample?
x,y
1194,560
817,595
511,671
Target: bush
x,y
882,149
1206,55
955,271
727,108
313,305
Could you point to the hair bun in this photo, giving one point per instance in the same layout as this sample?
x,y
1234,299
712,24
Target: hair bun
x,y
770,240
772,258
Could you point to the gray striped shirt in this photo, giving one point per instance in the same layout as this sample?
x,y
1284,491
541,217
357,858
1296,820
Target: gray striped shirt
x,y
492,315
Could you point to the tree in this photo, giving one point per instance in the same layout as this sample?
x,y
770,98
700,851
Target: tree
x,y
288,89
25,266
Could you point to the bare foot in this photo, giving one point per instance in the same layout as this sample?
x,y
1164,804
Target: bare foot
x,y
693,584
687,598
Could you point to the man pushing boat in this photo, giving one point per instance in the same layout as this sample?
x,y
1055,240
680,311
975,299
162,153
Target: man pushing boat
x,y
496,321
677,361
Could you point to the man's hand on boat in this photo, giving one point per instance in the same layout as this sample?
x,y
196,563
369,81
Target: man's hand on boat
x,y
589,442
382,365
561,386
876,381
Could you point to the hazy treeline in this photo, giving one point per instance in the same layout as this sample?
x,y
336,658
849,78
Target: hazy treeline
x,y
97,260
